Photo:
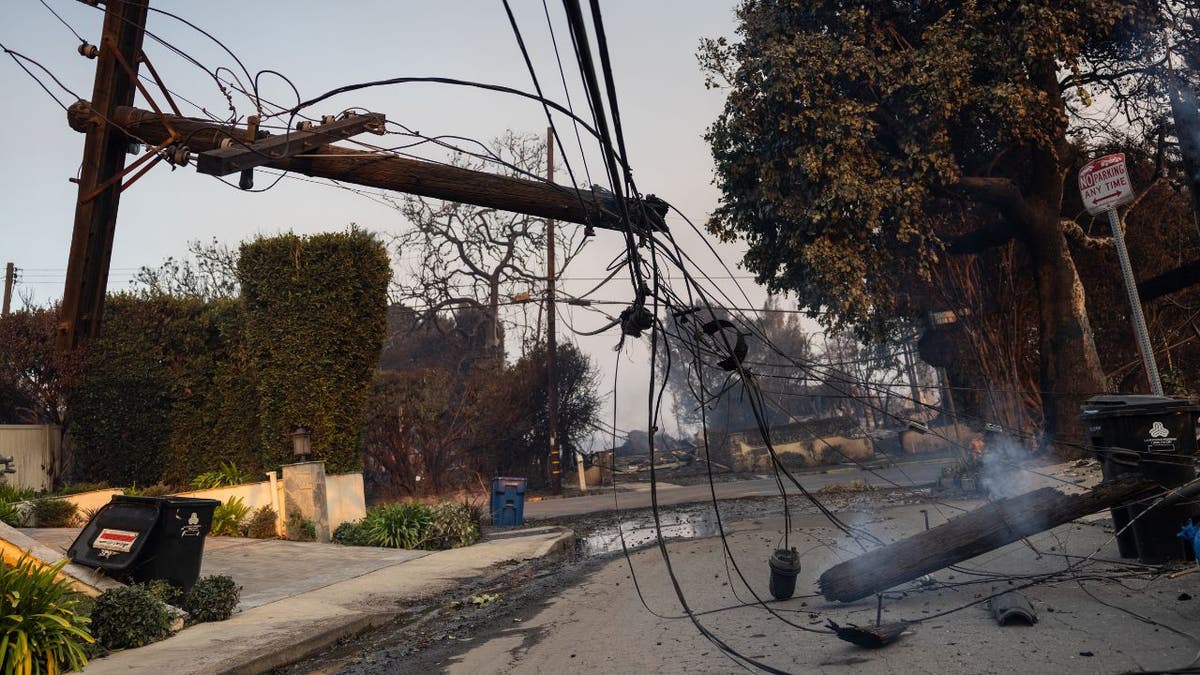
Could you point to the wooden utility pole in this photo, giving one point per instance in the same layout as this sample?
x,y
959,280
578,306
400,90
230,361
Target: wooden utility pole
x,y
427,179
985,529
99,180
10,273
551,338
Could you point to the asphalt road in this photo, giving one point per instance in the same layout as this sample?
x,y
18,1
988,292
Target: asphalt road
x,y
1097,620
906,475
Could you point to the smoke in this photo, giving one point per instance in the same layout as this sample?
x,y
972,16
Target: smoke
x,y
1000,473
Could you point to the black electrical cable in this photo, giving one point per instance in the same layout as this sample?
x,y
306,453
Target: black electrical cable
x,y
562,74
546,108
18,56
64,22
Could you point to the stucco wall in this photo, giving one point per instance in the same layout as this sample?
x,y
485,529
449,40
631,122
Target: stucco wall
x,y
344,497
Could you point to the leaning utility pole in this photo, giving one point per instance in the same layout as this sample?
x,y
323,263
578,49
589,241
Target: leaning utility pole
x,y
307,150
102,169
294,151
551,338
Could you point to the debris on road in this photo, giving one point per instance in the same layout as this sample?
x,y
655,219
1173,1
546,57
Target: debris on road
x,y
870,637
1013,608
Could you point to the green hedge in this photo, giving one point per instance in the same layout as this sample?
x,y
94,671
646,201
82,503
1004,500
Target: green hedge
x,y
119,412
175,386
215,397
316,311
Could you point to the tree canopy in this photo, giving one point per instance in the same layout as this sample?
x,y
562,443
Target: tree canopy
x,y
862,143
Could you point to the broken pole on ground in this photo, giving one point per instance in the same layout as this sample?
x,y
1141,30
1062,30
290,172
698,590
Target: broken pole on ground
x,y
985,529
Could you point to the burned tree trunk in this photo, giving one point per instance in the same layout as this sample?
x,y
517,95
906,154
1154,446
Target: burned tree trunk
x,y
984,529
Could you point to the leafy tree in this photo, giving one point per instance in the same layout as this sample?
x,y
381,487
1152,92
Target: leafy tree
x,y
861,143
35,378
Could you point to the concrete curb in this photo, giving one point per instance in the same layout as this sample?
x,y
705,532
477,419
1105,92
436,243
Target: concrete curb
x,y
280,633
311,646
14,544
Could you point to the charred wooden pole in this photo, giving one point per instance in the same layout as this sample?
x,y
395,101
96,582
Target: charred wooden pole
x,y
100,171
389,172
985,529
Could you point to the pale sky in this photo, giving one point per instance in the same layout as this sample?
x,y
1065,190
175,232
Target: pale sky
x,y
319,46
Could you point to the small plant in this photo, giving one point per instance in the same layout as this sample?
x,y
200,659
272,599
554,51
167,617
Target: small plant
x,y
11,515
229,474
213,598
42,630
352,533
299,528
398,525
164,590
479,511
77,488
84,516
49,512
129,617
156,490
451,526
228,517
261,524
10,493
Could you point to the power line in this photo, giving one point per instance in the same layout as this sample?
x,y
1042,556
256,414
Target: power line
x,y
64,22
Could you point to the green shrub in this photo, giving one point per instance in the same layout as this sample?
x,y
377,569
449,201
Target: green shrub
x,y
129,617
352,533
49,512
452,526
398,525
299,528
228,475
261,524
77,488
479,510
10,493
213,598
156,490
10,515
164,591
43,632
228,517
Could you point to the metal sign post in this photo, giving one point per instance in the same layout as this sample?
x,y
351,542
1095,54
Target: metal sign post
x,y
1104,185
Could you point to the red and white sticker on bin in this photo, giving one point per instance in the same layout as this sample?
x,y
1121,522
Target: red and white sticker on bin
x,y
119,541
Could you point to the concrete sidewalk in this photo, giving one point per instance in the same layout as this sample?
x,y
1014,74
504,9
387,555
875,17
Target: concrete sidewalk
x,y
299,598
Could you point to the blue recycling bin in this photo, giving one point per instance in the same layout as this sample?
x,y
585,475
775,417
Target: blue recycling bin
x,y
508,501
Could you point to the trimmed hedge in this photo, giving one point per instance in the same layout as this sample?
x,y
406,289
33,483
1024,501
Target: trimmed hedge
x,y
174,386
316,318
118,410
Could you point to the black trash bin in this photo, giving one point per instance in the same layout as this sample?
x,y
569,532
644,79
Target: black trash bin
x,y
1154,437
139,539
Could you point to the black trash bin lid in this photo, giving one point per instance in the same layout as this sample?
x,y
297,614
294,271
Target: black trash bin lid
x,y
1136,404
114,538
